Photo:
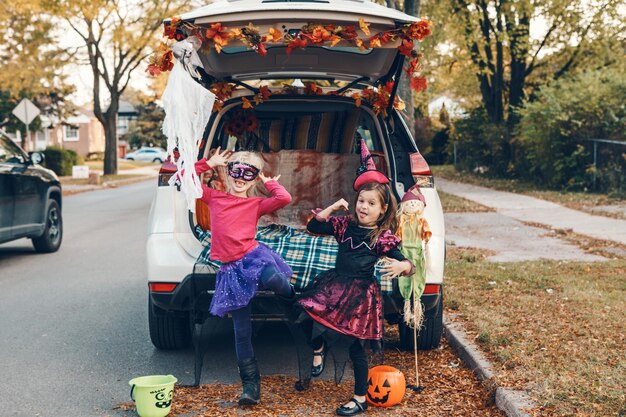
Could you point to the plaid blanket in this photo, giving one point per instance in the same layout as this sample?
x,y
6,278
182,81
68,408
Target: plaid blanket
x,y
306,254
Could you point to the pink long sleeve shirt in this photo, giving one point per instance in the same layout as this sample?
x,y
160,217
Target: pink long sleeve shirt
x,y
234,219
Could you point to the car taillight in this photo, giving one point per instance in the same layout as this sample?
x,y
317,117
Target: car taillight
x,y
420,171
431,289
165,173
162,287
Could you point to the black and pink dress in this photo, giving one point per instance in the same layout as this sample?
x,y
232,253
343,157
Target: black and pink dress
x,y
347,298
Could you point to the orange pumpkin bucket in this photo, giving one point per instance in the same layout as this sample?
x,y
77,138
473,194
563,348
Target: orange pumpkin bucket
x,y
385,386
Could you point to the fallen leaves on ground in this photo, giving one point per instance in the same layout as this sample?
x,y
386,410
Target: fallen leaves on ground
x,y
449,390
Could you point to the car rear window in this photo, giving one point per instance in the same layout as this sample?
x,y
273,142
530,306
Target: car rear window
x,y
323,127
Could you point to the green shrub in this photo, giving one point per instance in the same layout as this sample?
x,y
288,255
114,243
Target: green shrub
x,y
481,146
551,136
61,160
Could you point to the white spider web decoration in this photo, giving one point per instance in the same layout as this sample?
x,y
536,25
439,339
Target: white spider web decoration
x,y
188,107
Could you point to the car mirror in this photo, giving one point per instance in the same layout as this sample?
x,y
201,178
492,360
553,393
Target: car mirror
x,y
36,158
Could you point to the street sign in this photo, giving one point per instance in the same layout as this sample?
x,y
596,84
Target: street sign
x,y
26,111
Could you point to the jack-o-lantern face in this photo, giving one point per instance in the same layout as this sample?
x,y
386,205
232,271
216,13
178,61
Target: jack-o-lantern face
x,y
386,386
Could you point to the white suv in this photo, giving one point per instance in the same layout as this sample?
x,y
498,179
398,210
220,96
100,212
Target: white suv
x,y
307,126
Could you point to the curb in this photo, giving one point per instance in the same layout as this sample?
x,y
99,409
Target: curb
x,y
510,401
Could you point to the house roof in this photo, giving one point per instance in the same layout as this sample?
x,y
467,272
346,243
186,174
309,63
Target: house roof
x,y
126,108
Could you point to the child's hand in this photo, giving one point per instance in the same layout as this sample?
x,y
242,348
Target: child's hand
x,y
394,268
219,159
266,179
340,204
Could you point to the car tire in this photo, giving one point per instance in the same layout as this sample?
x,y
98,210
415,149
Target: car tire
x,y
130,159
168,330
429,336
157,160
50,240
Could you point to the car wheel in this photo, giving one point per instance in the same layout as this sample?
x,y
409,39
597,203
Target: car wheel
x,y
50,240
168,330
429,335
157,160
130,158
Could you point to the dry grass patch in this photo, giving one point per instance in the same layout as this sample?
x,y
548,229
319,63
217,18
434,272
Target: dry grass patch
x,y
555,328
455,204
586,202
121,164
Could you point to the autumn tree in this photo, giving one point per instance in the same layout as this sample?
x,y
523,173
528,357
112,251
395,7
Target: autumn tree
x,y
117,36
30,64
497,36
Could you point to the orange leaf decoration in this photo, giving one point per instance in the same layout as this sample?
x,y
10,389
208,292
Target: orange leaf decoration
x,y
413,66
334,40
313,89
319,35
236,33
273,36
296,43
359,43
222,90
153,69
375,42
264,92
246,103
399,104
406,48
365,27
418,83
260,49
348,33
219,35
357,99
418,30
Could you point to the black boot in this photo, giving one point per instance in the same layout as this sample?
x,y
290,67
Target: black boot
x,y
251,381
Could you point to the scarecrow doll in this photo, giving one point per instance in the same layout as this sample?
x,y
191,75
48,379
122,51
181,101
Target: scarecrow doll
x,y
414,231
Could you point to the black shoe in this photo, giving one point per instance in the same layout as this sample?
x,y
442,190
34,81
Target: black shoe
x,y
358,408
317,370
251,381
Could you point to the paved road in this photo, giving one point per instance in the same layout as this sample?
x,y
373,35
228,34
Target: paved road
x,y
74,323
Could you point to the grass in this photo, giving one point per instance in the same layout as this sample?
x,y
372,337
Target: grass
x,y
121,164
576,200
454,204
103,179
554,328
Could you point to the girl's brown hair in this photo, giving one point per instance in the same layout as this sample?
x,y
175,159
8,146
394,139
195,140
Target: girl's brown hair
x,y
388,220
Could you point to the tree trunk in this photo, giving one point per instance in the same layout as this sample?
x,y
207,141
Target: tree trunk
x,y
519,35
110,135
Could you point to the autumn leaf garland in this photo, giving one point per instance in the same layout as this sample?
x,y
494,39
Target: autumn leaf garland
x,y
217,36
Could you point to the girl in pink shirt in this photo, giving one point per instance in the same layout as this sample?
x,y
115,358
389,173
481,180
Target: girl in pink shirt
x,y
247,265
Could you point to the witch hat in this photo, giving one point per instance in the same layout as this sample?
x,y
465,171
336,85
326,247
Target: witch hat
x,y
367,172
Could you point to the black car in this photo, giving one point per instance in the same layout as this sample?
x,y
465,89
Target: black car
x,y
30,198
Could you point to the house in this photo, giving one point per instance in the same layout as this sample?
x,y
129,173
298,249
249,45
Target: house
x,y
81,133
126,114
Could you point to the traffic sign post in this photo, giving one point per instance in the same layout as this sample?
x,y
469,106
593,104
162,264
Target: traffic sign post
x,y
26,111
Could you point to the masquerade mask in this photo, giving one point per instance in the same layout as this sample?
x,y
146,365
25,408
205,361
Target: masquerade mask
x,y
242,170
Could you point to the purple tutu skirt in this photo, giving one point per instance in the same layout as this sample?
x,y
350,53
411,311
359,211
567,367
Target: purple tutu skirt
x,y
238,281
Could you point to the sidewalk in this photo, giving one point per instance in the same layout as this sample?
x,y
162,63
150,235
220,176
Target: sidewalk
x,y
141,174
530,209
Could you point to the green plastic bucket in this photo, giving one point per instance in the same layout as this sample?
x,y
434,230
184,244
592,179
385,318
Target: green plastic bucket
x,y
152,394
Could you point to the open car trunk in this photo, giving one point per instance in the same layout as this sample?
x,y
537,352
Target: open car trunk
x,y
312,145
